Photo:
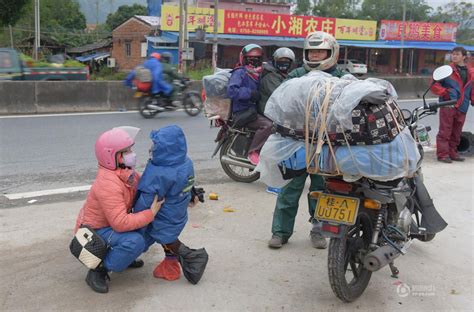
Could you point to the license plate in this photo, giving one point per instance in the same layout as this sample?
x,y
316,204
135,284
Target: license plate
x,y
337,209
137,94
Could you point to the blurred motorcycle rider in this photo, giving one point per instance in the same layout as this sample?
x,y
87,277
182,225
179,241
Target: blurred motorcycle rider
x,y
320,52
170,73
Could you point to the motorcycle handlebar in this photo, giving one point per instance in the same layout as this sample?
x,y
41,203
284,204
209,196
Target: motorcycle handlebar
x,y
435,106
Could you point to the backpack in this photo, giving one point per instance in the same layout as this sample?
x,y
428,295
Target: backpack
x,y
143,78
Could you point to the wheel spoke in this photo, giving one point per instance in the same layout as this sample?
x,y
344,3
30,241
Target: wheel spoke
x,y
354,270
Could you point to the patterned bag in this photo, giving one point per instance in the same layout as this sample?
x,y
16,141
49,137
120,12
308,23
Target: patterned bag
x,y
88,247
373,123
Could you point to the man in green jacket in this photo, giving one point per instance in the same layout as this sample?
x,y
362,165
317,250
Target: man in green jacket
x,y
320,52
170,73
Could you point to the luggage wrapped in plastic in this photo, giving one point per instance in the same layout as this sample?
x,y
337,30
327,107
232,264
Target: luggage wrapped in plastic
x,y
380,162
217,103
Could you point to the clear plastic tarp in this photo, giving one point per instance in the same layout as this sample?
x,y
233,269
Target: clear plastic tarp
x,y
217,103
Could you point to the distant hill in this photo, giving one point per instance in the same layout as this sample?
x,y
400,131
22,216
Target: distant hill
x,y
89,8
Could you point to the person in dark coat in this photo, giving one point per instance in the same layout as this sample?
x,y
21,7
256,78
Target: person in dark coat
x,y
170,175
243,90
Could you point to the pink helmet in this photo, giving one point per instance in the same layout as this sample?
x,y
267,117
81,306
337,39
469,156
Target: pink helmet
x,y
112,142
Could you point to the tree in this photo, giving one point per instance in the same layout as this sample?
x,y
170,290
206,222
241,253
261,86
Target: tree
x,y
461,13
416,10
303,7
11,11
335,8
123,13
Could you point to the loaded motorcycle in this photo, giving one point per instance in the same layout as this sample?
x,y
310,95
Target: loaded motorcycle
x,y
149,106
233,144
371,223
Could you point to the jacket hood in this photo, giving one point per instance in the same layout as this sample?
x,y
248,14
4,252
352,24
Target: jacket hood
x,y
169,146
151,63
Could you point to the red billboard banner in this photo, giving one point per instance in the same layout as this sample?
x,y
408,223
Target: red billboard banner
x,y
417,31
265,24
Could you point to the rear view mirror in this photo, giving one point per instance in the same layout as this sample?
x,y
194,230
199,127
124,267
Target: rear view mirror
x,y
442,72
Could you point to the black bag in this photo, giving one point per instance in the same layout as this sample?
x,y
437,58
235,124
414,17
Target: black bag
x,y
88,247
193,262
240,119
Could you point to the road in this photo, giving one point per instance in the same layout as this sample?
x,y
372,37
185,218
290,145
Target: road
x,y
39,274
49,152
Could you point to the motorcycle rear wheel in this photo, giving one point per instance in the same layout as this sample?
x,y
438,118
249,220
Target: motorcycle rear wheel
x,y
344,253
145,111
192,104
236,173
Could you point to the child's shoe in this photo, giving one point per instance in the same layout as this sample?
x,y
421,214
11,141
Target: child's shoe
x,y
254,158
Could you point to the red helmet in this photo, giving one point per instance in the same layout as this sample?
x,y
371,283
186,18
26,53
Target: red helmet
x,y
112,142
156,55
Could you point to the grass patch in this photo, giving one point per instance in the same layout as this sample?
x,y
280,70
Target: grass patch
x,y
106,74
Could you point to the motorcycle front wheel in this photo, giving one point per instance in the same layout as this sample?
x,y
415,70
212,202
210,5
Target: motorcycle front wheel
x,y
347,275
145,110
192,104
237,173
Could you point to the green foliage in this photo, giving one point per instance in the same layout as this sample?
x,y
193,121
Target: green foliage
x,y
461,13
416,10
335,8
106,74
199,72
10,11
72,63
123,13
303,7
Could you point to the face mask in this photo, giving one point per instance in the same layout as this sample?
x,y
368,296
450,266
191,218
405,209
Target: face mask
x,y
283,66
130,159
254,61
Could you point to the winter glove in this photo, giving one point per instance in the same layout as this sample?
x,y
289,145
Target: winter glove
x,y
197,192
168,269
255,96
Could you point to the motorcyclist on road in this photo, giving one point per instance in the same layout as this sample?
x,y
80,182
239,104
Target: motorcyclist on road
x,y
273,75
320,52
170,74
244,94
158,83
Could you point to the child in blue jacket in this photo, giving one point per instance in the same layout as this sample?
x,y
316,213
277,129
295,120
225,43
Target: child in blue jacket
x,y
170,175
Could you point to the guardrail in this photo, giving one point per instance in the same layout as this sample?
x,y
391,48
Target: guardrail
x,y
39,97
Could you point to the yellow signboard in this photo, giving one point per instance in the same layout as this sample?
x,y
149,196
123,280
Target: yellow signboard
x,y
197,17
350,29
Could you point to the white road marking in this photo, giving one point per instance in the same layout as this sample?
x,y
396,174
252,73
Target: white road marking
x,y
48,192
76,114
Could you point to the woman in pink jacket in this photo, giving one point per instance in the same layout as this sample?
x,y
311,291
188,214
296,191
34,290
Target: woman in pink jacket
x,y
108,205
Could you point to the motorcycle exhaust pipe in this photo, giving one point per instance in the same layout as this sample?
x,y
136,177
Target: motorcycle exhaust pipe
x,y
229,161
380,257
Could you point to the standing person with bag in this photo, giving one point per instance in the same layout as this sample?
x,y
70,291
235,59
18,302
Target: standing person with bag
x,y
243,90
273,75
458,86
107,209
320,52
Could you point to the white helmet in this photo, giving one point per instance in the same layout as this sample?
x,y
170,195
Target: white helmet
x,y
320,40
284,52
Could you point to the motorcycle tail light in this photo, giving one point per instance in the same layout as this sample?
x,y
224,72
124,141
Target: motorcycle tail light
x,y
314,195
203,95
330,228
338,186
372,204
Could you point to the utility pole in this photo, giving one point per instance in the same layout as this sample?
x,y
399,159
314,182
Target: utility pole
x,y
37,30
214,42
402,41
11,35
186,41
181,36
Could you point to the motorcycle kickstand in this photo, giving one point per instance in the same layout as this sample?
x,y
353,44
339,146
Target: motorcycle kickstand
x,y
394,270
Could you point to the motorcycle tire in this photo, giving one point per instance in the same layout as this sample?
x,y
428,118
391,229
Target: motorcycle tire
x,y
192,103
338,261
144,110
233,171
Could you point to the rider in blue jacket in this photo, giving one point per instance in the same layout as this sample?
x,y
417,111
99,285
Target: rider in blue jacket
x,y
170,175
158,83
